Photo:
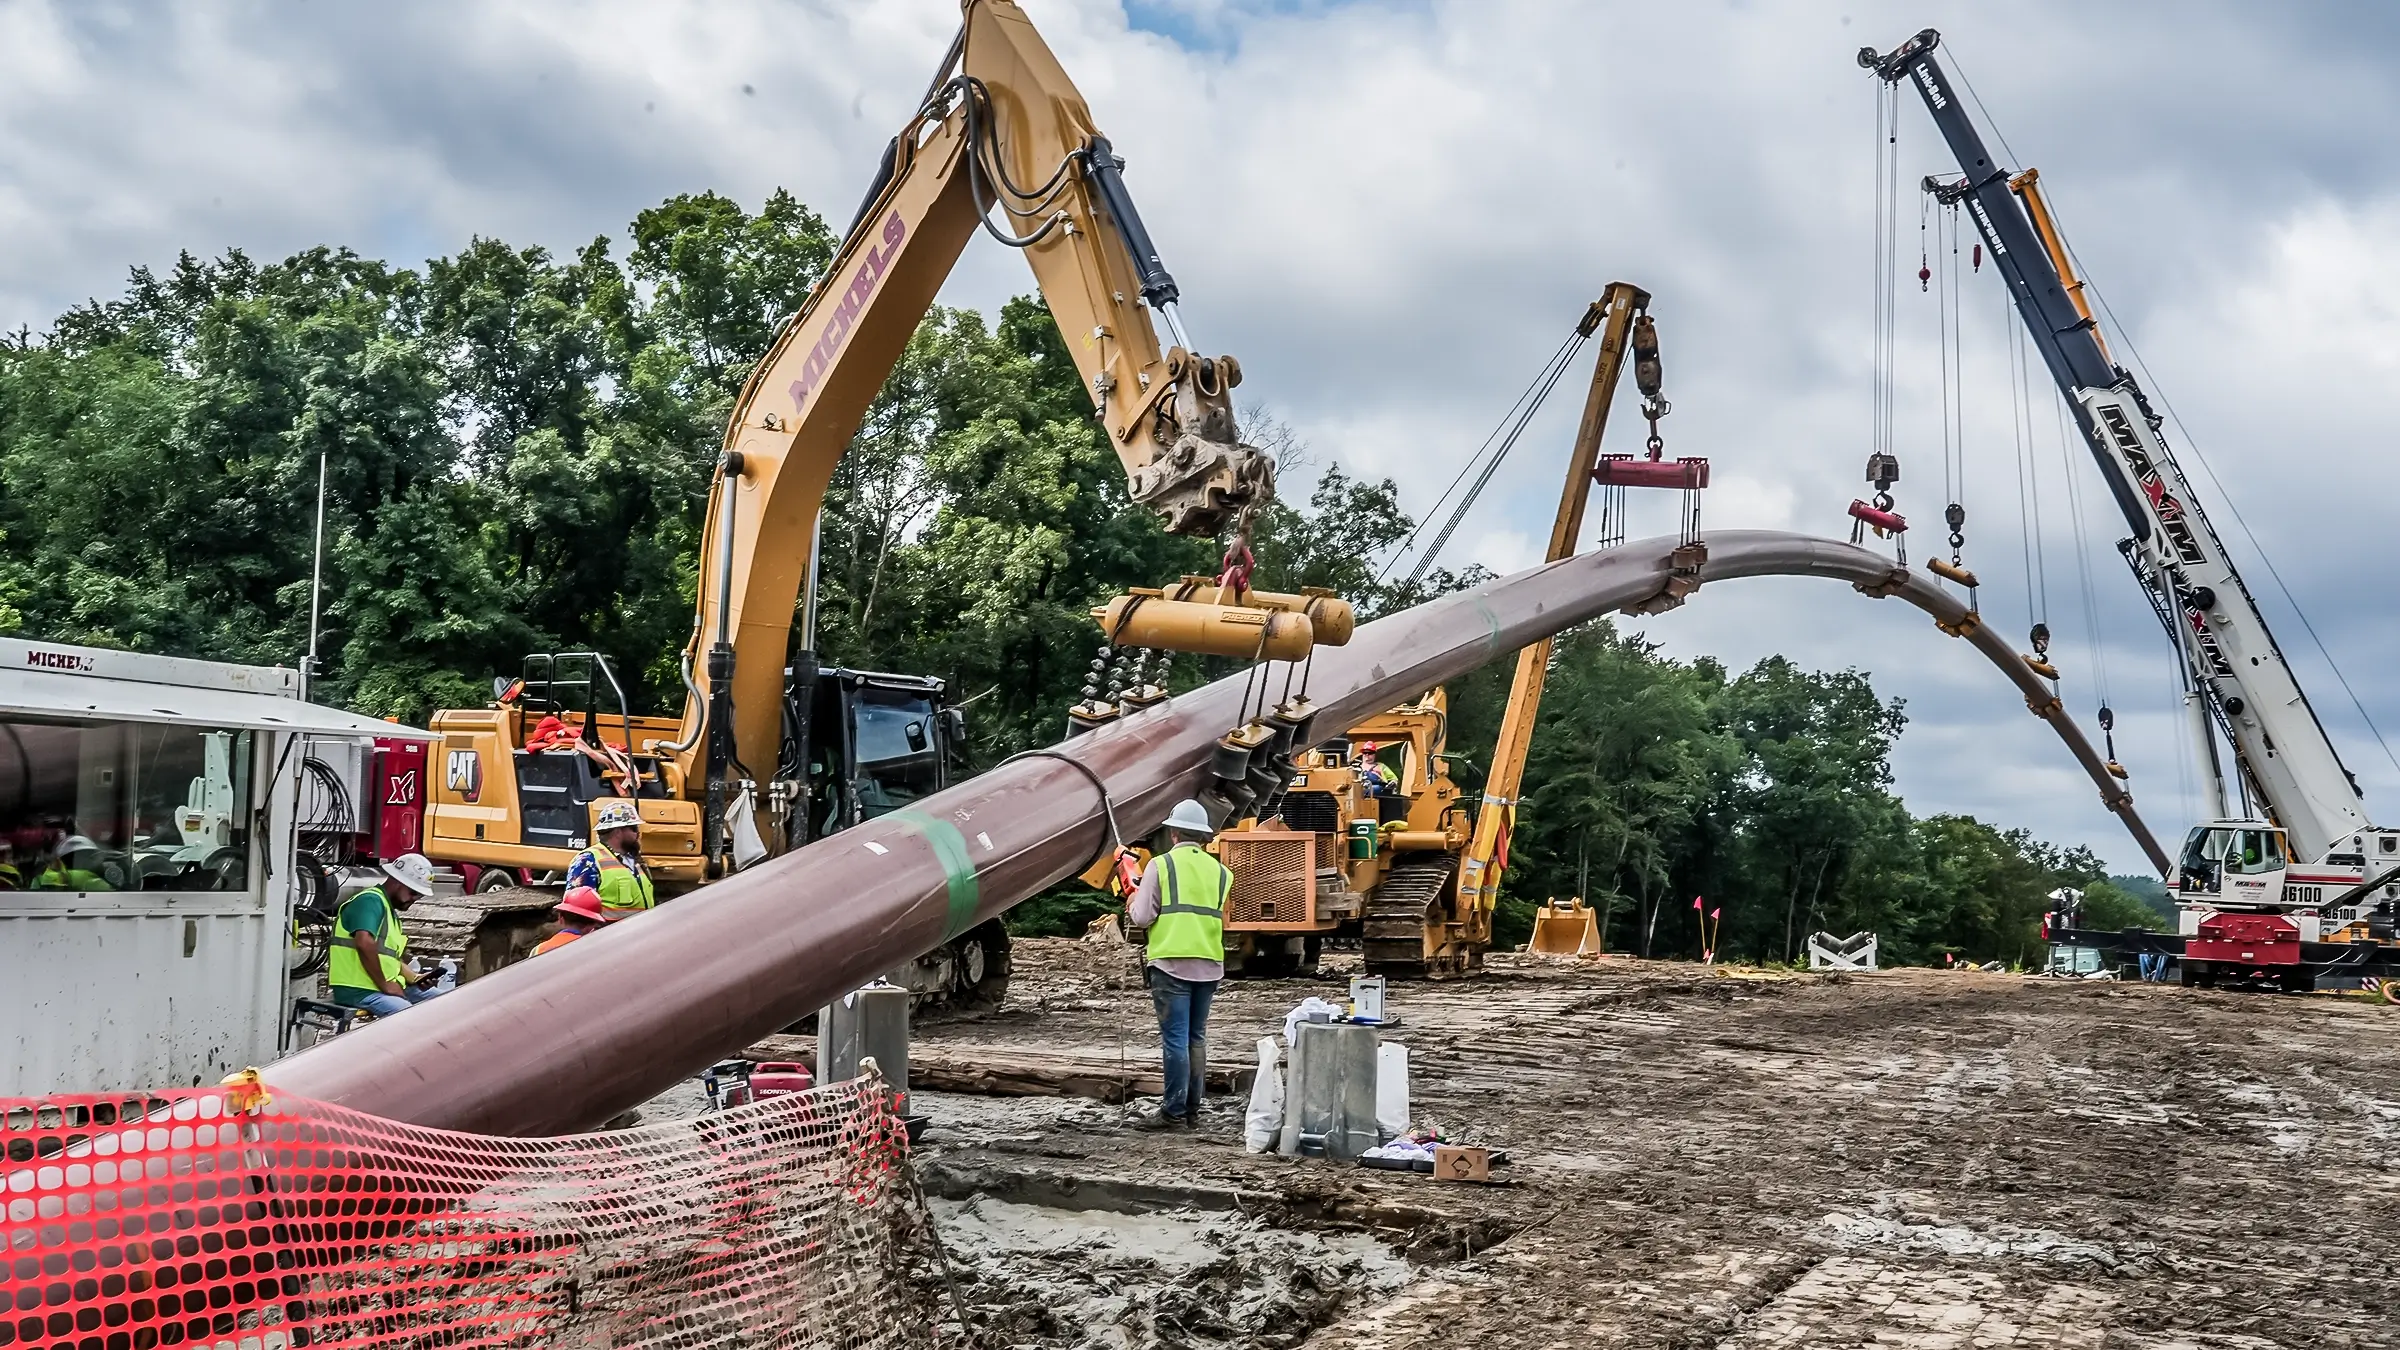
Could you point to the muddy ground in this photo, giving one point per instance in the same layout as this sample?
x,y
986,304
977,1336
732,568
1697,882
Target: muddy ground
x,y
1705,1159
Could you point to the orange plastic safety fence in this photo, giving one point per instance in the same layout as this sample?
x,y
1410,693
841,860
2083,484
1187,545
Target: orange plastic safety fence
x,y
178,1219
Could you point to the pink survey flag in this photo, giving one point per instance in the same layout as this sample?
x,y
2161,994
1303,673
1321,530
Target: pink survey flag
x,y
1695,902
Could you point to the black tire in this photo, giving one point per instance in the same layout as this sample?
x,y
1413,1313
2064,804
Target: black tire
x,y
982,962
227,869
494,879
2191,975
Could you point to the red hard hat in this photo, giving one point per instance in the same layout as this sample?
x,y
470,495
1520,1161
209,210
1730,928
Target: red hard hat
x,y
583,902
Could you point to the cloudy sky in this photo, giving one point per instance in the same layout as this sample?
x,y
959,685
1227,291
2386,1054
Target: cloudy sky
x,y
1393,212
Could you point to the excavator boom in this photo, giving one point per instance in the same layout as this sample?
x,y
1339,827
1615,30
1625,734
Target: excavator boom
x,y
1004,143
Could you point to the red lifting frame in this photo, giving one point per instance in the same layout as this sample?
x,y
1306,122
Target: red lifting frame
x,y
1689,474
1890,522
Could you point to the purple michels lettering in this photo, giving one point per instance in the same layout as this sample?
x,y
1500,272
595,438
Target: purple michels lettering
x,y
837,332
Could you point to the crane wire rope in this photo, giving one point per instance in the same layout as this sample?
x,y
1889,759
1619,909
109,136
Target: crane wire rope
x,y
2232,505
1466,503
1887,265
2029,485
2083,560
2185,433
1518,414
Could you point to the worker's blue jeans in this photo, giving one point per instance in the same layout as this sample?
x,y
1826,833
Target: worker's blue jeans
x,y
1182,1039
379,1003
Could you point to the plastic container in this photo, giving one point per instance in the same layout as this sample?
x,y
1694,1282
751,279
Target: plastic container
x,y
1362,839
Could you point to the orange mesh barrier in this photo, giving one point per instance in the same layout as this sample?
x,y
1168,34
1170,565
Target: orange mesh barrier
x,y
178,1219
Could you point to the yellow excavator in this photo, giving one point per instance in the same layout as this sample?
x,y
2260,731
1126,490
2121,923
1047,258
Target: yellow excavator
x,y
774,749
1372,839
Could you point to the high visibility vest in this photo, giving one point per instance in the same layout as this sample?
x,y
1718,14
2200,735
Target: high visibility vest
x,y
60,877
346,971
555,941
624,889
1192,889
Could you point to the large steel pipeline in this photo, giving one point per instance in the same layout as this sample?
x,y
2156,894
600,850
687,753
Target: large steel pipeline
x,y
567,1041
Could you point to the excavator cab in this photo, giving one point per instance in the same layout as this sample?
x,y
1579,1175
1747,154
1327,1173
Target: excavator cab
x,y
876,743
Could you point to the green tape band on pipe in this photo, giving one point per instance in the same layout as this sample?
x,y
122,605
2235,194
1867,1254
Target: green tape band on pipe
x,y
950,847
1491,624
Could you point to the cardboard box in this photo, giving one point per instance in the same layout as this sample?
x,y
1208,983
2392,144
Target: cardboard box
x,y
1456,1162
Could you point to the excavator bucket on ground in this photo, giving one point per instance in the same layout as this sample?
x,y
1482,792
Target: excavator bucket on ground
x,y
1571,929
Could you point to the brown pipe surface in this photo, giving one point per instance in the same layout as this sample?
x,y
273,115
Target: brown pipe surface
x,y
569,1039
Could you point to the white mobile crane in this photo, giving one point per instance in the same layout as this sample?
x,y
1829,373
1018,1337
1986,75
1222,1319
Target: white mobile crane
x,y
2297,883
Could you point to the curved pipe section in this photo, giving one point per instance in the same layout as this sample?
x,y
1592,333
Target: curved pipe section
x,y
565,1042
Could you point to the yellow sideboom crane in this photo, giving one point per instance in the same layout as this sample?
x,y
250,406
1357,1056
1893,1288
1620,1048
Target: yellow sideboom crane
x,y
1002,142
1370,837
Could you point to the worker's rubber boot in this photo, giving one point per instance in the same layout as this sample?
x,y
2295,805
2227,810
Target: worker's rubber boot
x,y
1158,1121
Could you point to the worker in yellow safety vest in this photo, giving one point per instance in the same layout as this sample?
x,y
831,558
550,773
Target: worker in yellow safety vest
x,y
613,864
73,867
369,966
1182,902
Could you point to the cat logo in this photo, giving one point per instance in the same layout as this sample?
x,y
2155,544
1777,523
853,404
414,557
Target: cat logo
x,y
462,773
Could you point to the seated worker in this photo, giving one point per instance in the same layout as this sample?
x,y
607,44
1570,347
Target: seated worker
x,y
1375,775
613,864
73,866
370,968
578,913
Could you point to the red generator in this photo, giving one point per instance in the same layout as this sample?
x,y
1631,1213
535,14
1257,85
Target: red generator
x,y
2247,947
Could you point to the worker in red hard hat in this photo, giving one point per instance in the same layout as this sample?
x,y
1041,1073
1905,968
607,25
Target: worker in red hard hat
x,y
1376,776
579,912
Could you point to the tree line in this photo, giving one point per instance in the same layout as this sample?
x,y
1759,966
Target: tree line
x,y
517,447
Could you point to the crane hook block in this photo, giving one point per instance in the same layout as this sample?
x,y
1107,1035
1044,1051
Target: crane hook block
x,y
1330,617
1148,619
1889,522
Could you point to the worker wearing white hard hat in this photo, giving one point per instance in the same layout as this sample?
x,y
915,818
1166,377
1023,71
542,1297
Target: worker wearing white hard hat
x,y
73,866
613,864
369,967
1182,902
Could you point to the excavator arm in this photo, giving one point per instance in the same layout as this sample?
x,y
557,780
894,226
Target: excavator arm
x,y
1004,143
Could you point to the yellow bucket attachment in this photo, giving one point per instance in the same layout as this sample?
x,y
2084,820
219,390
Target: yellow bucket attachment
x,y
1571,929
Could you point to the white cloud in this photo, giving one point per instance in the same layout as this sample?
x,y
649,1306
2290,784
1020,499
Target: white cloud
x,y
1393,211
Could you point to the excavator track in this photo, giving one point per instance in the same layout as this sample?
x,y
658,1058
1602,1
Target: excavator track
x,y
1399,914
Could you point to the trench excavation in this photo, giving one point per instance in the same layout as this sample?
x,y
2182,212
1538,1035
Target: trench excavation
x,y
1085,1262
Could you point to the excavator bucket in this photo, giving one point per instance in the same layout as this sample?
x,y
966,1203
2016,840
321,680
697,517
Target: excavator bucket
x,y
1571,929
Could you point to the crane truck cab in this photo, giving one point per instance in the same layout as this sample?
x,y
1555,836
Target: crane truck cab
x,y
2232,863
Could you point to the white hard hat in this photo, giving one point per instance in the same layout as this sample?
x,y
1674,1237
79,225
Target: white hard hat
x,y
413,871
76,843
1190,817
617,815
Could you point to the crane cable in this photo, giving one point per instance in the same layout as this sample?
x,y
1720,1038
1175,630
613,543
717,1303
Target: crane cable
x,y
1511,425
1887,265
2029,483
2232,505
